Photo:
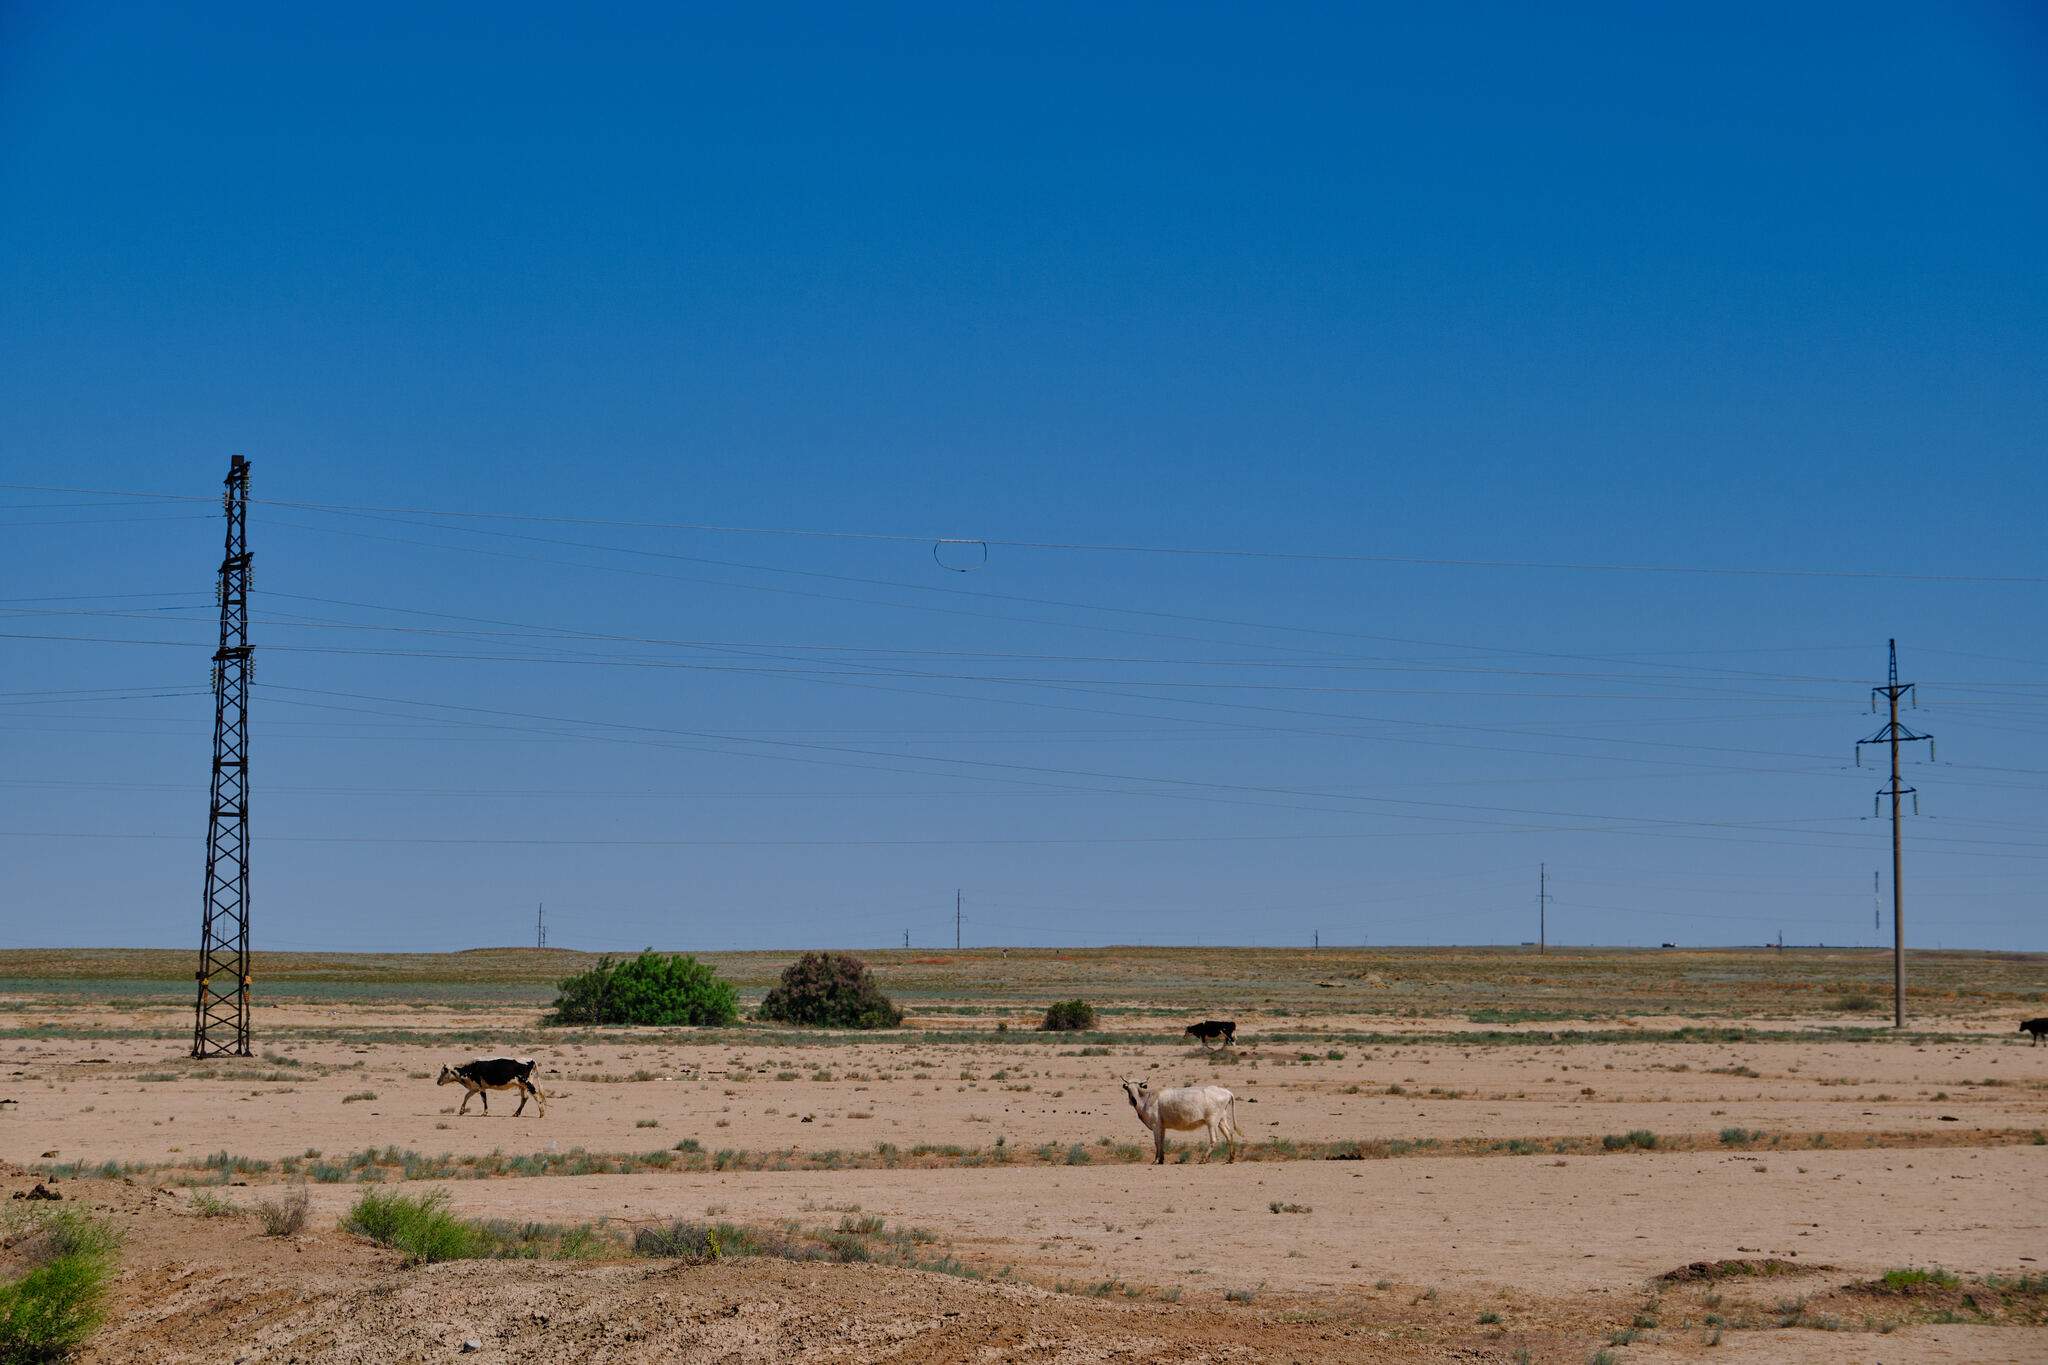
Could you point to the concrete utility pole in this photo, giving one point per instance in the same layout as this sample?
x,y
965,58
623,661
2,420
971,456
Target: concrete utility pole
x,y
540,924
1542,908
957,904
1895,734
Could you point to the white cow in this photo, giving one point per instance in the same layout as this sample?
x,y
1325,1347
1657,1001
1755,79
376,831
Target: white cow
x,y
1208,1107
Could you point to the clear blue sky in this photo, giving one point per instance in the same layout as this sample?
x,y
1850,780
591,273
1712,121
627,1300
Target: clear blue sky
x,y
1720,287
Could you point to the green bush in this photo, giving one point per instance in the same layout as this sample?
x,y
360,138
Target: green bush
x,y
418,1225
653,988
1068,1016
63,1296
829,990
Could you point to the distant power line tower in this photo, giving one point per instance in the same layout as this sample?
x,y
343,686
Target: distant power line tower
x,y
1895,734
221,1026
959,917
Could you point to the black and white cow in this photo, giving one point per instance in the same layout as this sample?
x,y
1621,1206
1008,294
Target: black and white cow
x,y
495,1073
1226,1029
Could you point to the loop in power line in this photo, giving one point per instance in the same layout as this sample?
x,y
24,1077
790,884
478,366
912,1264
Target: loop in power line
x,y
939,556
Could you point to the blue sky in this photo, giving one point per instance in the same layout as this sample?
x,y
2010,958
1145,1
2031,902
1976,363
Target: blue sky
x,y
1418,304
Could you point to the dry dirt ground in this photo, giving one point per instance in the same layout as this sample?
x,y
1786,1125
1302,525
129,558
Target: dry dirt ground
x,y
1421,1187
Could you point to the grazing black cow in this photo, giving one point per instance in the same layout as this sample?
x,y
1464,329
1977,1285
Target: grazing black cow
x,y
1226,1029
486,1074
2037,1027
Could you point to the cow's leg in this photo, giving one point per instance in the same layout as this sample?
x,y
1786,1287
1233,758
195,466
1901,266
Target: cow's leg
x,y
1159,1144
467,1096
522,1101
483,1093
539,1099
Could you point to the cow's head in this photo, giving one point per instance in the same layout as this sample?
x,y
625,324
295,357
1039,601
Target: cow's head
x,y
1137,1093
448,1076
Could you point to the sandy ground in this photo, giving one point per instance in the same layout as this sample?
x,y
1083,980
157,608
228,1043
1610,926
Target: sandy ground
x,y
908,1093
1562,1250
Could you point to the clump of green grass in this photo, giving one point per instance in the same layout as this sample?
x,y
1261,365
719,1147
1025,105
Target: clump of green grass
x,y
420,1226
1640,1139
1738,1137
359,1096
61,1299
1917,1276
210,1205
1239,1295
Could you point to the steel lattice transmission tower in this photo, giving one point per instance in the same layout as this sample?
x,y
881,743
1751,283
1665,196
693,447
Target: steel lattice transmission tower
x,y
221,1024
1895,734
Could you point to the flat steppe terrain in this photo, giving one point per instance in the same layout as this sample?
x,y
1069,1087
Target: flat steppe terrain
x,y
1453,1154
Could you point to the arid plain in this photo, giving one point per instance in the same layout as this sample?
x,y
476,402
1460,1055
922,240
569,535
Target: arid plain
x,y
1455,1154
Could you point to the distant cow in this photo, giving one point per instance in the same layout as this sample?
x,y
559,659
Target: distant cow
x,y
1226,1029
495,1073
1208,1107
2037,1027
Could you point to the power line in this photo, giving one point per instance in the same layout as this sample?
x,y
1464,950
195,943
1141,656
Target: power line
x,y
1077,546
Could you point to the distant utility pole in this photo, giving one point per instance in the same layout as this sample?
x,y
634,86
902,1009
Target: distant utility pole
x,y
220,1024
1542,908
1876,899
957,917
1319,939
906,940
1895,734
540,925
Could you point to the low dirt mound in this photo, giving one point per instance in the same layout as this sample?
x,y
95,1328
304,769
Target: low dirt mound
x,y
1739,1266
196,1289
